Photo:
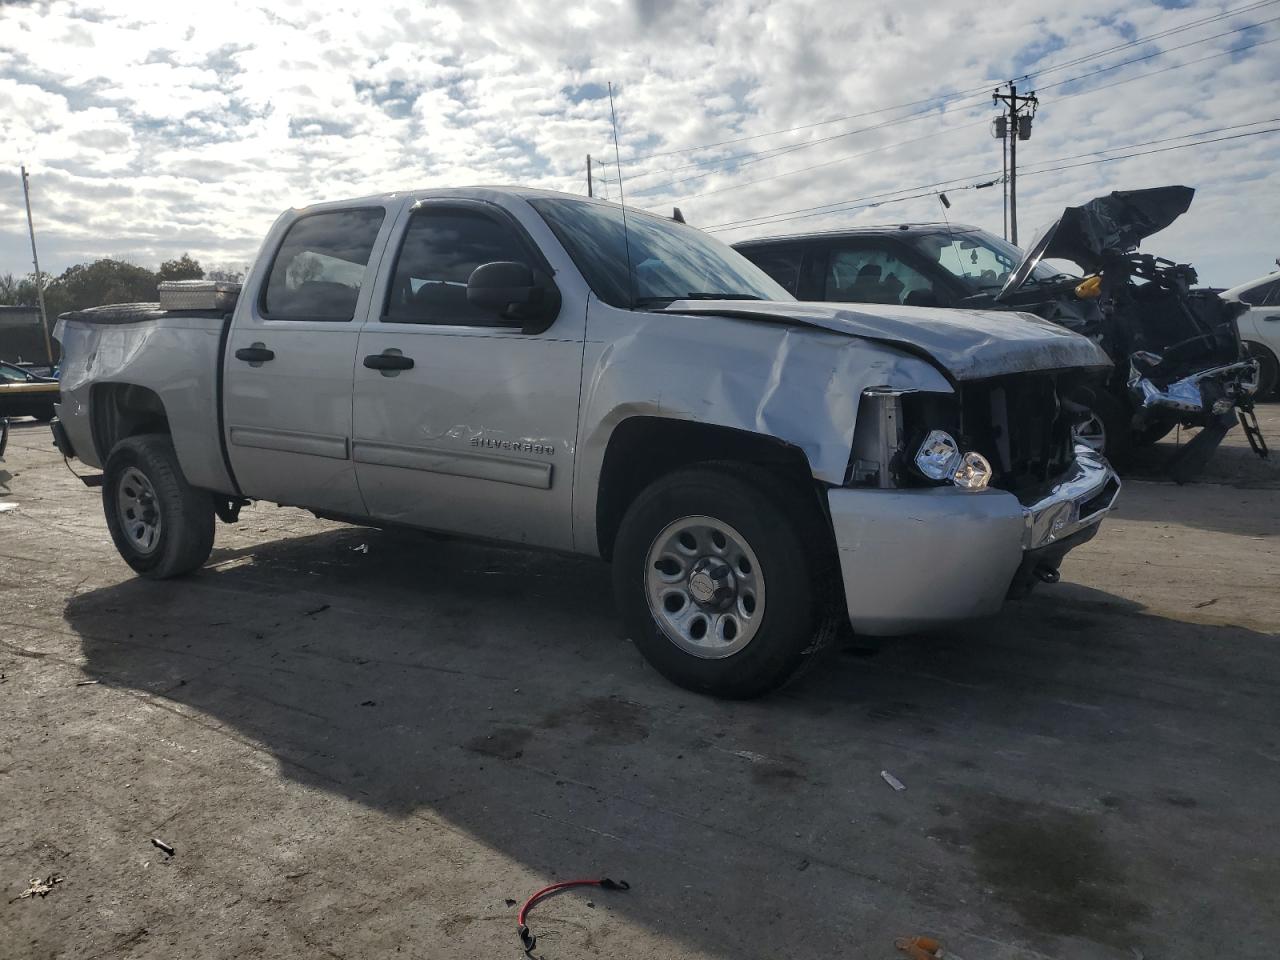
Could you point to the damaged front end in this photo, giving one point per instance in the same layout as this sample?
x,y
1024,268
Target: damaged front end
x,y
1177,353
985,485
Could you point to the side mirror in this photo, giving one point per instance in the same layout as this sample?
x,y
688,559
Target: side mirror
x,y
516,292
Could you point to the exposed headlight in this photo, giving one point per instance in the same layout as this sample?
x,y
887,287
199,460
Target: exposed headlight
x,y
939,455
974,473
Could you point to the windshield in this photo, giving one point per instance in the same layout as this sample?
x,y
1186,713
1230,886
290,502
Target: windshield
x,y
980,260
670,261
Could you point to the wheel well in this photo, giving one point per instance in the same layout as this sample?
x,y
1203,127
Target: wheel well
x,y
642,449
122,410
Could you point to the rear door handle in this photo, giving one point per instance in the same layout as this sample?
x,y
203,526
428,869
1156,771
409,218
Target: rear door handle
x,y
388,361
256,354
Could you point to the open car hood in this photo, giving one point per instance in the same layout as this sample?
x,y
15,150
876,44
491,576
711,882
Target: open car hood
x,y
968,344
1105,227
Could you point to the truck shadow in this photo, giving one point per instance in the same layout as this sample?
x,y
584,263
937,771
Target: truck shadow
x,y
492,688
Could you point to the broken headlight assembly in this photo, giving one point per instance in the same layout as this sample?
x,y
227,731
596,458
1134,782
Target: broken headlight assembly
x,y
939,458
888,450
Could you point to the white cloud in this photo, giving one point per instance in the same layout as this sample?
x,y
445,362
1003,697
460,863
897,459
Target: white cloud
x,y
156,128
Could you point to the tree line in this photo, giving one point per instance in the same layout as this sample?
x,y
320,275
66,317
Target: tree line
x,y
102,281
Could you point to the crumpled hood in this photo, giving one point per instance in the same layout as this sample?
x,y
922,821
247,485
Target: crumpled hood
x,y
968,344
1109,226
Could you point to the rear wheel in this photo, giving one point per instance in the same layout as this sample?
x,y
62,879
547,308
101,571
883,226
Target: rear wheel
x,y
723,581
161,525
1268,369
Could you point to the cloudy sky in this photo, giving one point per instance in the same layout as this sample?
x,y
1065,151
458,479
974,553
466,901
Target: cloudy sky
x,y
156,128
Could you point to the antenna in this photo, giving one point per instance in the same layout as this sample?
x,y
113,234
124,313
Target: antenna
x,y
626,235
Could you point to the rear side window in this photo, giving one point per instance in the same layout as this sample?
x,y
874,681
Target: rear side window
x,y
1263,295
320,266
780,263
875,275
440,250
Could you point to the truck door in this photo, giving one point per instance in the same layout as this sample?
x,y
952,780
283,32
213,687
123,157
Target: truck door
x,y
289,358
461,421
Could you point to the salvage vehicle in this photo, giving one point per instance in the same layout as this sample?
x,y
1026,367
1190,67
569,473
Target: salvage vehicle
x,y
558,372
1259,327
26,394
1177,356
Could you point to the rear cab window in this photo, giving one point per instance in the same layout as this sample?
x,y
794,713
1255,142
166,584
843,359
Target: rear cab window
x,y
321,265
868,273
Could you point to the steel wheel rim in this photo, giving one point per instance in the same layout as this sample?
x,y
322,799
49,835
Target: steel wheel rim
x,y
705,587
1092,433
138,510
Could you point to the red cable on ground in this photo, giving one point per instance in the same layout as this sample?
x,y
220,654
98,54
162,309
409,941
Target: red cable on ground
x,y
522,926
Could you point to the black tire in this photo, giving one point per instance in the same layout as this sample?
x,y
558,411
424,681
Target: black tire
x,y
1153,433
184,536
782,526
1268,369
1116,422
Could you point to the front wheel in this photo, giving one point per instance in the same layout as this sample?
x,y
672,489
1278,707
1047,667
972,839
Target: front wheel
x,y
722,578
1268,369
161,525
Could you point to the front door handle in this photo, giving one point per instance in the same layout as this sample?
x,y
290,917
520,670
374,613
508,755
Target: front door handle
x,y
388,361
257,354
1275,317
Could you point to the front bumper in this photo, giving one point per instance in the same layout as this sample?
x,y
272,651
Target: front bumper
x,y
915,558
1202,395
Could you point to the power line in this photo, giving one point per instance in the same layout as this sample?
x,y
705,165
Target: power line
x,y
1158,53
1247,8
1078,93
929,189
825,163
759,156
968,92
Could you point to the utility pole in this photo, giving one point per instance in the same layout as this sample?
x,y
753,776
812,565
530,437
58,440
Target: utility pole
x,y
591,191
35,261
1017,127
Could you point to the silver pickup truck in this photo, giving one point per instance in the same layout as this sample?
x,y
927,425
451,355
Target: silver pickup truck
x,y
550,371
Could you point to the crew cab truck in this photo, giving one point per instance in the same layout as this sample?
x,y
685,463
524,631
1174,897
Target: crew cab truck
x,y
557,372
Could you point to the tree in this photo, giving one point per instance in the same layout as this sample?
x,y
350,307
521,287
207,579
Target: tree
x,y
94,284
184,268
19,291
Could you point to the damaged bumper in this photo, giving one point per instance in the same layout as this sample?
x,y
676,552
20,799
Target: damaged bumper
x,y
1208,393
915,558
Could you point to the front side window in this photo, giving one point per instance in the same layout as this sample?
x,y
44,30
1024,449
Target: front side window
x,y
13,374
440,250
668,260
979,260
320,266
1264,294
874,274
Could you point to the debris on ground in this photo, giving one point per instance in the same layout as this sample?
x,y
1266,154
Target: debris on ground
x,y
39,888
363,548
161,845
86,683
522,927
1206,603
920,948
7,506
320,609
892,781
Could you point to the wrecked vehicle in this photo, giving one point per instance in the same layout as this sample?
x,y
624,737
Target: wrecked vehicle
x,y
552,371
1259,326
24,393
1177,356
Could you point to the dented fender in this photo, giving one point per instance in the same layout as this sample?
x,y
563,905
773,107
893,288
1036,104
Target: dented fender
x,y
796,384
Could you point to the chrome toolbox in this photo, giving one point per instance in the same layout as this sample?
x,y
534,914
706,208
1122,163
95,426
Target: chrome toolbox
x,y
198,295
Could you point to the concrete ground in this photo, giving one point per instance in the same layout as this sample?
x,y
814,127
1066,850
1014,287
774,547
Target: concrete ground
x,y
372,754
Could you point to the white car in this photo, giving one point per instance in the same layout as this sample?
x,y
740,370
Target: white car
x,y
1260,327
